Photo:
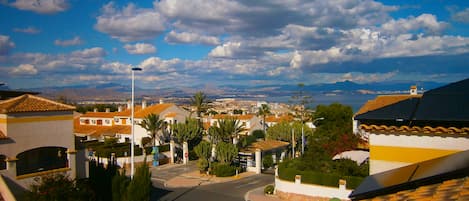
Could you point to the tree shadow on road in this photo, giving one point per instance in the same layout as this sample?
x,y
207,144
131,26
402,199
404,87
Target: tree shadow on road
x,y
157,193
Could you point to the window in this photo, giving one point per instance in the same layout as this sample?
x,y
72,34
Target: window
x,y
41,159
93,121
87,121
99,122
107,121
82,121
116,120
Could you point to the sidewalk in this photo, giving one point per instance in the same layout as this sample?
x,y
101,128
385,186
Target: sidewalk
x,y
258,195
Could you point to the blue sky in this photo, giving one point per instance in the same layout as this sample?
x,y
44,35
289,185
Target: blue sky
x,y
194,43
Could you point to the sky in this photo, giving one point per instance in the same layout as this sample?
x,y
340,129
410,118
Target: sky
x,y
197,43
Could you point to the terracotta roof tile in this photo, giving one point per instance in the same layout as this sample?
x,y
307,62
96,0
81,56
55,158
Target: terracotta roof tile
x,y
31,103
273,118
453,189
127,112
384,100
153,109
170,115
414,129
266,145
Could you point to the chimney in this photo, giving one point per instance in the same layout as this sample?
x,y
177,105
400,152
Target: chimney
x,y
129,104
108,110
161,101
413,90
144,104
119,108
95,110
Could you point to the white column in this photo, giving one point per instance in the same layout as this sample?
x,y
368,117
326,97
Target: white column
x,y
11,166
214,151
71,154
185,151
258,161
171,151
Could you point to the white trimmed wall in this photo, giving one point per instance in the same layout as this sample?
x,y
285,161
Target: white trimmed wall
x,y
388,151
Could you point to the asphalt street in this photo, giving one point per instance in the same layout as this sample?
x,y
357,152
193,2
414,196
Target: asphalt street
x,y
228,191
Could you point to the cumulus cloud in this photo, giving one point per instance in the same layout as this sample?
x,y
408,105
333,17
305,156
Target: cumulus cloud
x,y
5,45
24,69
117,67
427,22
27,30
130,23
74,41
191,38
140,48
41,6
155,64
461,16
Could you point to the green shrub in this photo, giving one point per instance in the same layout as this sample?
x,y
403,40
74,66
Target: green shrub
x,y
258,134
267,161
140,186
202,164
224,170
269,189
203,150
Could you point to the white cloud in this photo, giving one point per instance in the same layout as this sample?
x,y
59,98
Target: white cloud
x,y
5,45
155,64
74,41
226,50
28,30
186,37
89,53
130,23
427,22
140,48
24,69
461,16
117,67
41,6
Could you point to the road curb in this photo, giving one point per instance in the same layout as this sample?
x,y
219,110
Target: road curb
x,y
246,196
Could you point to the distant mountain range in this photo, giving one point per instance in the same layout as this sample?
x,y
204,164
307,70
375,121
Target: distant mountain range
x,y
119,92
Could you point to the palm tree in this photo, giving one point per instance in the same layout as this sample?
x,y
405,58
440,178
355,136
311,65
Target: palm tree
x,y
264,110
152,123
199,100
228,129
188,130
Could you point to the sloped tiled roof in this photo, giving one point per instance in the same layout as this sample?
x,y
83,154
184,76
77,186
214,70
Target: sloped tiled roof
x,y
273,118
265,145
153,109
170,115
239,117
94,130
127,112
384,100
31,103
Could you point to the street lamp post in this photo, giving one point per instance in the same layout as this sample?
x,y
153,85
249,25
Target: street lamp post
x,y
303,135
132,151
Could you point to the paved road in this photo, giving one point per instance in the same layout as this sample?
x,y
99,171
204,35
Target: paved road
x,y
228,191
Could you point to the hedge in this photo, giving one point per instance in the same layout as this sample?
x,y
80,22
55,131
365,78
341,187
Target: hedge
x,y
318,178
223,170
105,149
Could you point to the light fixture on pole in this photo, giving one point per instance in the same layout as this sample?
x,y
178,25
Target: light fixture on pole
x,y
132,151
303,136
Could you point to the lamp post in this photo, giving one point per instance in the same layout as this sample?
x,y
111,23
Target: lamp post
x,y
303,135
132,151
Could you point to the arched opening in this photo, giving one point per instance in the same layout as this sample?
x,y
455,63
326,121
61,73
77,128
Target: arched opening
x,y
41,159
3,163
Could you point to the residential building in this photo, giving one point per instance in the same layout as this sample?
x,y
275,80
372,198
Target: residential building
x,y
407,129
36,138
250,122
99,125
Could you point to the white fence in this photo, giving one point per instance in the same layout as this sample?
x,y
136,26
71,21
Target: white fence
x,y
310,190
